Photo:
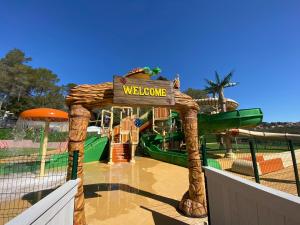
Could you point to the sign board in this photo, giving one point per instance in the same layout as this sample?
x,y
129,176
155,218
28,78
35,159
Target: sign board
x,y
132,91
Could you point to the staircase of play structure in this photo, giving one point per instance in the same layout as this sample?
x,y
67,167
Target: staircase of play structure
x,y
121,152
124,135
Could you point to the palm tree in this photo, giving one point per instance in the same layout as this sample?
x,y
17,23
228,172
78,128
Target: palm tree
x,y
217,87
210,90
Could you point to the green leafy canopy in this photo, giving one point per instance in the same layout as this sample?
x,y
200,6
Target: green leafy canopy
x,y
23,87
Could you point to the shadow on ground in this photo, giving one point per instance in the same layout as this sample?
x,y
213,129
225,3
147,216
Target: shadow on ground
x,y
277,180
90,191
161,219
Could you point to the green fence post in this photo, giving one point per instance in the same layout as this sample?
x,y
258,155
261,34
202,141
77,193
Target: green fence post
x,y
204,153
74,165
204,163
252,150
291,147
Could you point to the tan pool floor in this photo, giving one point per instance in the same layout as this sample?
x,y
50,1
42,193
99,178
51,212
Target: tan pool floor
x,y
146,193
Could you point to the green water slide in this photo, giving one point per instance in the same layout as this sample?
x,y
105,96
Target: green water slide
x,y
95,148
220,122
215,123
150,143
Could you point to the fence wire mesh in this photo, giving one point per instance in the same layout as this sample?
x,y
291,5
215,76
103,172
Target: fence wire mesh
x,y
22,185
273,158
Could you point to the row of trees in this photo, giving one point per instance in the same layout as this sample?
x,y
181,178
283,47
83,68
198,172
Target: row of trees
x,y
23,87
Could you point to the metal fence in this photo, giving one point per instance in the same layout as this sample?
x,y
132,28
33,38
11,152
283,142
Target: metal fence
x,y
273,163
21,184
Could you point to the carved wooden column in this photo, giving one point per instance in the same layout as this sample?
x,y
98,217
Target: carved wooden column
x,y
79,119
193,202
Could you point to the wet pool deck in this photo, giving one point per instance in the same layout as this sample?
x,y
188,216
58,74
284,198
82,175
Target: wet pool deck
x,y
145,193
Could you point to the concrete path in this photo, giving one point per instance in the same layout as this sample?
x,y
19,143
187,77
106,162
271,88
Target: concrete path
x,y
144,193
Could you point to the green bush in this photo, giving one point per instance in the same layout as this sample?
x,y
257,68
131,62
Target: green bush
x,y
54,136
6,134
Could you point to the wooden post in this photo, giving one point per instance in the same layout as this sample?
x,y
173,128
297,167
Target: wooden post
x,y
110,160
193,202
133,148
79,120
44,149
134,140
121,117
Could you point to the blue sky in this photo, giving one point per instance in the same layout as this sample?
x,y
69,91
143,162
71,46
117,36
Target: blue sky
x,y
90,41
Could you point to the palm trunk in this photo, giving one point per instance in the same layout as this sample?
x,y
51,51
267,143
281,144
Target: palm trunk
x,y
193,202
227,138
222,100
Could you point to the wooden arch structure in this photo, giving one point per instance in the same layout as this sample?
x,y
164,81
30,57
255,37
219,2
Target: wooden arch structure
x,y
83,98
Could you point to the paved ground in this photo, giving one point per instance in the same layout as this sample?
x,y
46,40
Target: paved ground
x,y
146,193
283,180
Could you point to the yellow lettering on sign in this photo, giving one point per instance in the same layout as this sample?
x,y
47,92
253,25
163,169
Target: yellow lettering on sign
x,y
141,91
158,91
152,91
135,90
144,91
127,89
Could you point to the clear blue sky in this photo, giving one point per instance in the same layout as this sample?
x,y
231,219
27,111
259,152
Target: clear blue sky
x,y
90,41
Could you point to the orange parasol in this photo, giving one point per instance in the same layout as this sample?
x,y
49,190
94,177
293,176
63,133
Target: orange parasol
x,y
48,115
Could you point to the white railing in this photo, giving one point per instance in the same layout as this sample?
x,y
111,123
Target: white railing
x,y
236,201
55,209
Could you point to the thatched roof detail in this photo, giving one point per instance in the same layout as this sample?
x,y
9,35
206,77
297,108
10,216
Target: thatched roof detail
x,y
100,95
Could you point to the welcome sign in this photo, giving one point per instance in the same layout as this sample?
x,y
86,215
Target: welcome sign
x,y
133,91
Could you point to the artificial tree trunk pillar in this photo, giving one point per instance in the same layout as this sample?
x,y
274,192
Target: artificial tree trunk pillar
x,y
79,120
193,202
228,143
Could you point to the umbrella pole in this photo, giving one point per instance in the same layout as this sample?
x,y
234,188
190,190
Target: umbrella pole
x,y
44,149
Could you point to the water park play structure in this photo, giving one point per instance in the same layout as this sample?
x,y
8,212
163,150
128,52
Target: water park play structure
x,y
154,116
153,144
123,137
83,99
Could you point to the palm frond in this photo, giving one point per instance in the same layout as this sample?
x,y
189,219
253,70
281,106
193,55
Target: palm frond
x,y
208,89
210,82
218,78
227,79
231,84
